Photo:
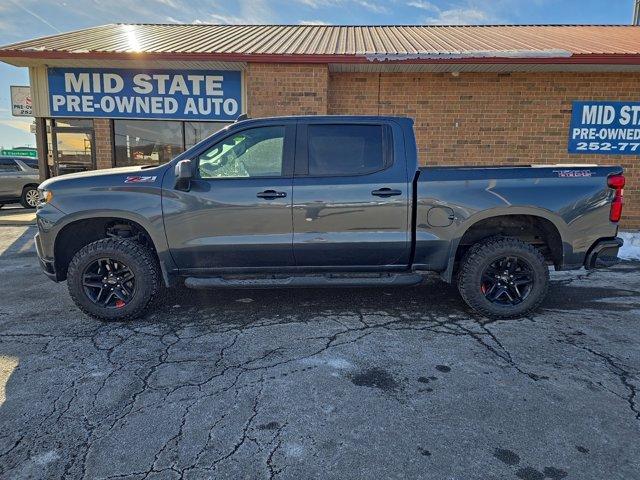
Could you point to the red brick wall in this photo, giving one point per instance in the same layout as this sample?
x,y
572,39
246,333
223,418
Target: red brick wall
x,y
491,119
104,143
286,89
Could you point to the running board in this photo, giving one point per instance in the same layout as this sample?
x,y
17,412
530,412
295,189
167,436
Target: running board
x,y
297,281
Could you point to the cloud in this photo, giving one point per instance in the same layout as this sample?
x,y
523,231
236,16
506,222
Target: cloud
x,y
245,12
421,4
313,22
17,123
169,3
374,7
462,12
35,15
317,3
459,16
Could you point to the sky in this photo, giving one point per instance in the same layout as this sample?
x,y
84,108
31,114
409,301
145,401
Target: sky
x,y
27,19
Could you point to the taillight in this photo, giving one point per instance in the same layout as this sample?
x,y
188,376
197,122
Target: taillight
x,y
617,183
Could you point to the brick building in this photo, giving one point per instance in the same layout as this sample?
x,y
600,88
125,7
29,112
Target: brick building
x,y
480,95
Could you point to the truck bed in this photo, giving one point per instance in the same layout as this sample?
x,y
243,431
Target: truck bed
x,y
574,199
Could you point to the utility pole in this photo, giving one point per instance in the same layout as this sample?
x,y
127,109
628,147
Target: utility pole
x,y
636,13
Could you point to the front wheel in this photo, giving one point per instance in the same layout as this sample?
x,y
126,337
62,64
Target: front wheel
x,y
29,197
113,279
503,277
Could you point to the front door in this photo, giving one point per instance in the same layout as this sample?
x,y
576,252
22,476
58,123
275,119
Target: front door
x,y
73,147
237,213
351,196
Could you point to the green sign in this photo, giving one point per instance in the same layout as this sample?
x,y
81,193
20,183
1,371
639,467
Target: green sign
x,y
19,153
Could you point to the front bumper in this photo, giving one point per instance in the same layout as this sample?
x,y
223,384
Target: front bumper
x,y
604,253
47,264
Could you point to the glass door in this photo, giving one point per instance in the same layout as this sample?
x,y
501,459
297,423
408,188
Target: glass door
x,y
73,146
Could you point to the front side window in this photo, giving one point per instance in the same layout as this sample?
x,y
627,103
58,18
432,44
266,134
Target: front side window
x,y
145,142
256,152
345,149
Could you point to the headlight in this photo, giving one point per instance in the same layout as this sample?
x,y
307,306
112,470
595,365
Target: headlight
x,y
45,196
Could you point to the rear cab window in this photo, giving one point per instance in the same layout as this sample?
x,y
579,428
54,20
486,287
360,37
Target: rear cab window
x,y
346,149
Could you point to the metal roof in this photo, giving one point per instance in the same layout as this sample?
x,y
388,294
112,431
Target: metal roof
x,y
588,44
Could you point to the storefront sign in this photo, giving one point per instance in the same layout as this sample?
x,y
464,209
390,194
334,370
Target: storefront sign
x,y
167,94
21,101
18,152
609,128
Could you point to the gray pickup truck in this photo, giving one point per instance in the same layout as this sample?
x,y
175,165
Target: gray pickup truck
x,y
323,201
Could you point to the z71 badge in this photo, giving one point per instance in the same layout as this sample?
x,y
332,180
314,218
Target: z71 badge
x,y
574,173
141,179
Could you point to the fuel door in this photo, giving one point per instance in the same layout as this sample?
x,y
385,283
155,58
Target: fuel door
x,y
440,216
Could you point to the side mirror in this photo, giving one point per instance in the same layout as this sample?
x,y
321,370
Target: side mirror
x,y
184,174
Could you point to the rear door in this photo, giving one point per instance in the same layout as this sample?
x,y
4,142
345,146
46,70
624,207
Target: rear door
x,y
10,178
351,194
237,212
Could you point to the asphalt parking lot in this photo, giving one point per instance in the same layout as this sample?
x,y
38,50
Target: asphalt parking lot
x,y
352,383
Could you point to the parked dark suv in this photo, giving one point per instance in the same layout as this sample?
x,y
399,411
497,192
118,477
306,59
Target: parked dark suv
x,y
19,179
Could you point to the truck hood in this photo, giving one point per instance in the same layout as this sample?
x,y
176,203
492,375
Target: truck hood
x,y
111,176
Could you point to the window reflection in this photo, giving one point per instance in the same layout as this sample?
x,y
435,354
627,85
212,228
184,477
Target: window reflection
x,y
195,132
144,142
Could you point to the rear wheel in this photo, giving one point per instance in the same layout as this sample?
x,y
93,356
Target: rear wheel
x,y
503,278
113,279
29,197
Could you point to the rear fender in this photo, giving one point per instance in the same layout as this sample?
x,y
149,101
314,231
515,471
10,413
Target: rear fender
x,y
469,222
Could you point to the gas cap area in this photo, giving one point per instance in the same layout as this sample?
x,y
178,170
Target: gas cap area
x,y
440,216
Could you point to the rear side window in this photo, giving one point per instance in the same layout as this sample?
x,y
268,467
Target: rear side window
x,y
8,165
345,149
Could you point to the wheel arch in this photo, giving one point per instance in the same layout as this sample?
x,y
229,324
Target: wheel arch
x,y
538,227
80,230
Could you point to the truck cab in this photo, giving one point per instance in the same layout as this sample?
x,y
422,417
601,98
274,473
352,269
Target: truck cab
x,y
343,202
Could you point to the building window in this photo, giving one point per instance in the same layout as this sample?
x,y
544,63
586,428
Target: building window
x,y
74,122
144,142
195,132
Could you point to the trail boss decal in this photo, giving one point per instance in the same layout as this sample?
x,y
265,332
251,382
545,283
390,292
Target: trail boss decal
x,y
141,179
573,173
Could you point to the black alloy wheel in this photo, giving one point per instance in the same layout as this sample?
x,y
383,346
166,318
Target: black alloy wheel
x,y
114,278
503,277
109,283
507,281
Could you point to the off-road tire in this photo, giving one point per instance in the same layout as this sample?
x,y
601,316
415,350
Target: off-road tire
x,y
27,192
481,255
140,259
